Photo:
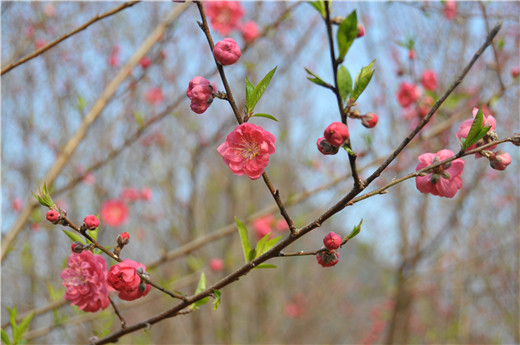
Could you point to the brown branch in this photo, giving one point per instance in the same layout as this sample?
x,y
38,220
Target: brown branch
x,y
64,37
498,67
123,322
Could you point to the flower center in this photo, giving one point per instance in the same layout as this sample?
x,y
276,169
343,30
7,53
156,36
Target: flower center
x,y
250,150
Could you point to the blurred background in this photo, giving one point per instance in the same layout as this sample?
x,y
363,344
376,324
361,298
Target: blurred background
x,y
424,269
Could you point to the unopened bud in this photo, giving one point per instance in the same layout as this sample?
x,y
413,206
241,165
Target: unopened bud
x,y
499,160
516,139
91,222
328,258
332,241
325,147
77,247
53,216
123,239
360,30
336,133
369,120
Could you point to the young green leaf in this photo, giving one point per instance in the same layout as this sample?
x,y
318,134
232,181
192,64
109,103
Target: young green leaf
x,y
242,231
356,230
362,80
216,302
17,338
12,317
252,254
344,82
74,236
267,116
260,88
5,338
250,95
200,287
477,130
347,33
316,79
319,6
260,247
270,244
266,266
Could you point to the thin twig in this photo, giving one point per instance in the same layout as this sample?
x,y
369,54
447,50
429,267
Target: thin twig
x,y
64,37
123,322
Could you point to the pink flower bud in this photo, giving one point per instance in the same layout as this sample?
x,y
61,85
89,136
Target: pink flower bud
x,y
332,241
92,222
53,216
328,258
369,120
249,31
226,51
499,160
515,72
123,239
429,80
77,247
360,30
123,278
336,133
216,264
200,92
407,94
450,9
325,147
411,54
145,62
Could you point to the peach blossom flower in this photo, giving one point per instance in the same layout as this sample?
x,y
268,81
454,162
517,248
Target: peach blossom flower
x,y
263,225
444,180
247,149
227,52
114,212
130,194
85,281
450,9
216,264
224,15
429,80
249,31
407,94
200,92
487,121
154,96
123,278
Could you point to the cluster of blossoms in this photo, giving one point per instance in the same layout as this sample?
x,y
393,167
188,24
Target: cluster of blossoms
x,y
226,16
415,102
247,149
266,224
330,256
88,283
445,180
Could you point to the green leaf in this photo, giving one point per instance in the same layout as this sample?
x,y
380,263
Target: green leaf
x,y
5,338
94,234
200,287
260,247
316,79
272,242
266,266
216,302
356,230
266,116
344,82
22,328
250,95
74,236
319,6
477,130
362,80
347,33
12,317
44,197
260,88
242,231
139,118
81,103
252,254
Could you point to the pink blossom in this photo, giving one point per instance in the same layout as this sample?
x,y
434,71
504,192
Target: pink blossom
x,y
154,96
49,10
114,212
123,278
487,121
325,147
443,180
450,9
145,62
263,225
515,72
411,54
114,60
499,160
249,31
224,15
216,264
336,133
53,216
200,92
91,221
328,258
130,194
85,279
332,241
123,239
227,52
429,80
407,94
247,149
